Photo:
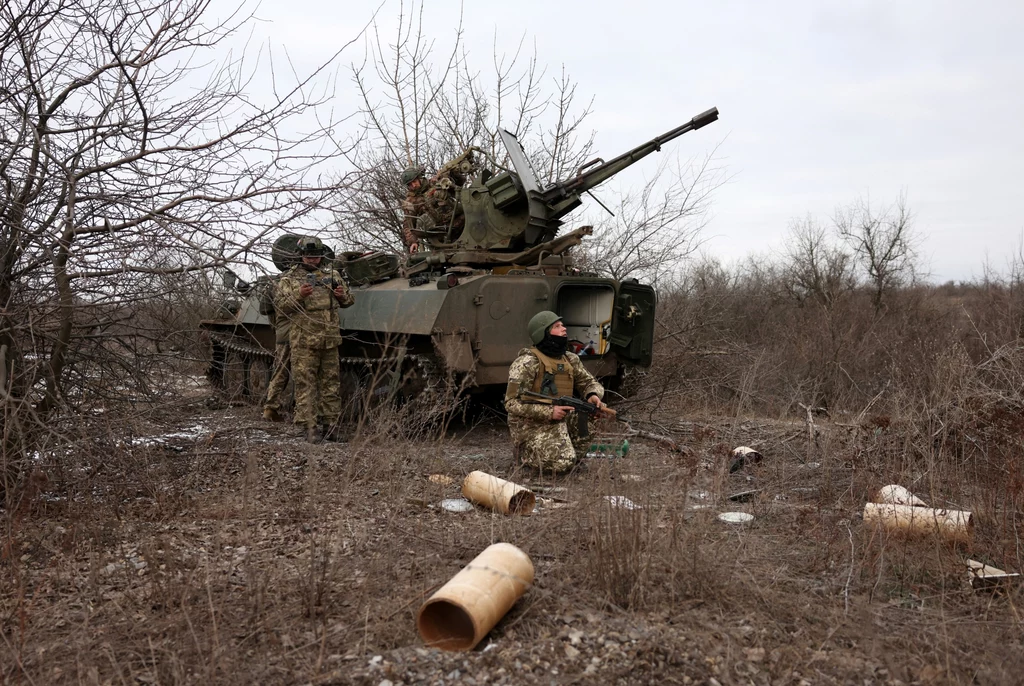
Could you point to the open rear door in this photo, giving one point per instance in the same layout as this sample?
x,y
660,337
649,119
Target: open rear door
x,y
632,338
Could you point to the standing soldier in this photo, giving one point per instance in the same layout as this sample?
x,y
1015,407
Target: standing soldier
x,y
542,435
414,205
310,296
282,361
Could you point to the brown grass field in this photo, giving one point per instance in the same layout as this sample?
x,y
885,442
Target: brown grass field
x,y
213,547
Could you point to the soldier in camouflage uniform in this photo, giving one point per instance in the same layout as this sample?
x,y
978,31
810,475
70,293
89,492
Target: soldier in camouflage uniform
x,y
430,203
310,296
414,205
542,434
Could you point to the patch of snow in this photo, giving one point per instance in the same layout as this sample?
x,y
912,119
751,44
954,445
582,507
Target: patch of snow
x,y
622,501
192,433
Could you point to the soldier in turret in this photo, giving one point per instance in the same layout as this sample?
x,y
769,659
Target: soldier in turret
x,y
310,295
414,205
543,436
432,204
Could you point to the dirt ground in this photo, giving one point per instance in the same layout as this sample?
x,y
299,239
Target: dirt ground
x,y
210,546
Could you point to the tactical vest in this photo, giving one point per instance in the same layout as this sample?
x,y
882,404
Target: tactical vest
x,y
555,378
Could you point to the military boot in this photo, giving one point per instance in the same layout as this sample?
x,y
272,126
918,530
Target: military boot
x,y
272,415
334,432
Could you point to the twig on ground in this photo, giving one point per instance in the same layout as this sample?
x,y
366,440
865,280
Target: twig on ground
x,y
664,440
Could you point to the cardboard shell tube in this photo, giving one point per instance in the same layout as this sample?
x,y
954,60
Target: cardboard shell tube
x,y
498,494
955,525
466,608
897,495
983,576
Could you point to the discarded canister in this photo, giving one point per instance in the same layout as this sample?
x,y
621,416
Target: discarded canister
x,y
462,611
504,496
955,525
897,495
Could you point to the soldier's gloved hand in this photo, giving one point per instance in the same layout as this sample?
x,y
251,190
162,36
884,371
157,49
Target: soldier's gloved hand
x,y
305,290
560,411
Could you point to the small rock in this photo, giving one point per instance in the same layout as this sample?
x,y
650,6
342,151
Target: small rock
x,y
571,652
575,637
376,660
385,682
754,654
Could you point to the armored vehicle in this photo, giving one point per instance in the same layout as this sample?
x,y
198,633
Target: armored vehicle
x,y
456,312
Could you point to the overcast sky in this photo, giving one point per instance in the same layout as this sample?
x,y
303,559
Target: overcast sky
x,y
821,102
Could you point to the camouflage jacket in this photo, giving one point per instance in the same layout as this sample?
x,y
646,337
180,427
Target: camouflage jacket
x,y
524,415
438,204
413,206
315,322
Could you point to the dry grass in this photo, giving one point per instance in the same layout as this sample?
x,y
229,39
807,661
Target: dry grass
x,y
238,554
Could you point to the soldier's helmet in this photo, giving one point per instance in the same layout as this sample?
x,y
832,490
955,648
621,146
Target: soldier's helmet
x,y
411,174
539,325
311,246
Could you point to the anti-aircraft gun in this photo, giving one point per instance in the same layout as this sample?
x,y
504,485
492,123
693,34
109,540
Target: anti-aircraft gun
x,y
510,217
457,312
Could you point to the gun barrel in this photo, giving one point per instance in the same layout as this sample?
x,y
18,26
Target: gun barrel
x,y
597,174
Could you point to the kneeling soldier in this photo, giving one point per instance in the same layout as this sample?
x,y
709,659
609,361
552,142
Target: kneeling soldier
x,y
542,435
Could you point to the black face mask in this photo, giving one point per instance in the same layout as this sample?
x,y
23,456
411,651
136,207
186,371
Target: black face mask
x,y
553,346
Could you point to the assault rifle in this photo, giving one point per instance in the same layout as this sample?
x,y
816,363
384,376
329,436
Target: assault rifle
x,y
584,408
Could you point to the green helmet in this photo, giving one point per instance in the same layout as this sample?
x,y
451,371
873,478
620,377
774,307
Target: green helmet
x,y
411,174
310,245
539,325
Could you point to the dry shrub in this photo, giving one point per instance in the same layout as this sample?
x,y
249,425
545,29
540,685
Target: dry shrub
x,y
743,341
647,558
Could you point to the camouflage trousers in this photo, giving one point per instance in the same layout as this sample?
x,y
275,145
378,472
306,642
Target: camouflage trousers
x,y
317,377
279,381
556,447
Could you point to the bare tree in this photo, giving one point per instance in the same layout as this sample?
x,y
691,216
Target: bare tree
x,y
816,270
126,157
883,243
423,106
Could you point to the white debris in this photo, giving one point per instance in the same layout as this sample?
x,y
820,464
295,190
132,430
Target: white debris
x,y
622,501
